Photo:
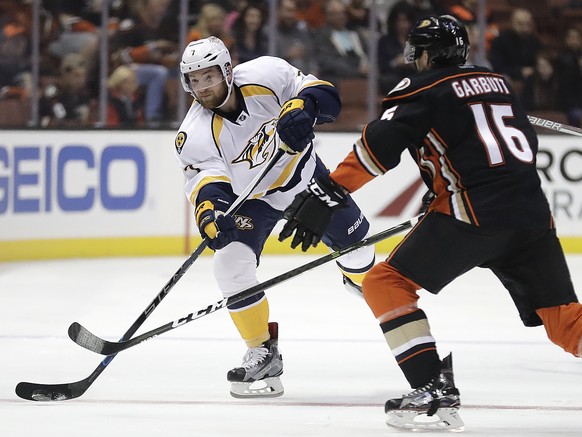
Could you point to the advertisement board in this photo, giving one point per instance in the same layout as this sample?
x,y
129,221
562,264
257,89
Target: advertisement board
x,y
95,193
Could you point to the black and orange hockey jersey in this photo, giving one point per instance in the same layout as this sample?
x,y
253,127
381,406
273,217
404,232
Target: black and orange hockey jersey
x,y
471,140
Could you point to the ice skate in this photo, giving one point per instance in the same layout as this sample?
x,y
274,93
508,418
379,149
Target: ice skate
x,y
432,407
258,376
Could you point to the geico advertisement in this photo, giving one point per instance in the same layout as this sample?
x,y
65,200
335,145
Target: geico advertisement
x,y
89,183
396,196
60,184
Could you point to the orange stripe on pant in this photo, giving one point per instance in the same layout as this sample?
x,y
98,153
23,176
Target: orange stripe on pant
x,y
388,293
563,325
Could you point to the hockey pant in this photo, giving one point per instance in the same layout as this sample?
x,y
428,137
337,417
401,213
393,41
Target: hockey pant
x,y
235,265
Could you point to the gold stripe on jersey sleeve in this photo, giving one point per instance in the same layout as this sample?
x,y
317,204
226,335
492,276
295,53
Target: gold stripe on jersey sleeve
x,y
315,83
255,90
290,168
205,181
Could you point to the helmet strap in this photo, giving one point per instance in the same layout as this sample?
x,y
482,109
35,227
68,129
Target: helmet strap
x,y
229,92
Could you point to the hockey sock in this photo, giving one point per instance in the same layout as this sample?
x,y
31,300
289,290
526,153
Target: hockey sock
x,y
563,325
413,347
392,298
252,322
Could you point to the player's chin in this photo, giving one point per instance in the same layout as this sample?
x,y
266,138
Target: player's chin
x,y
207,103
211,100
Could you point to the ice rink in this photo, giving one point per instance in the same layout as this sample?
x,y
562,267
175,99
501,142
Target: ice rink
x,y
338,369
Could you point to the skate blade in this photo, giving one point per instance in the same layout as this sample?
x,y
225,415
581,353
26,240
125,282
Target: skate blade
x,y
264,388
446,419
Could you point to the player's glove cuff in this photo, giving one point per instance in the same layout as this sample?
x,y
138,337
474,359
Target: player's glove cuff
x,y
311,211
328,192
219,228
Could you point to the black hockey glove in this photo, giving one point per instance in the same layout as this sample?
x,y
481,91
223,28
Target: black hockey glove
x,y
427,199
310,212
219,228
296,121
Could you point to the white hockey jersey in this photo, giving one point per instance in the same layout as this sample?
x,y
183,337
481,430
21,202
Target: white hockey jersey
x,y
210,148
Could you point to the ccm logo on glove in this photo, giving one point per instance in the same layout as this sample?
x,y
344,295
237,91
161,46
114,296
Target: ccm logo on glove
x,y
316,189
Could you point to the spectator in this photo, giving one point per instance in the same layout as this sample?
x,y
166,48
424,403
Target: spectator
x,y
14,51
359,17
421,8
211,22
569,71
358,14
251,40
153,53
311,12
66,103
541,88
294,42
125,107
391,63
341,52
514,51
74,32
466,12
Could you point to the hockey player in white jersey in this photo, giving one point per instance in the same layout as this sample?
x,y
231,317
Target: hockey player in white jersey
x,y
239,118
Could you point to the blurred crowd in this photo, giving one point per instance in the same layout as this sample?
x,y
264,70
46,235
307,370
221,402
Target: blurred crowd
x,y
329,38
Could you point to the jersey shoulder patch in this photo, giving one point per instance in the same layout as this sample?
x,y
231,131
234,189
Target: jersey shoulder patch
x,y
180,141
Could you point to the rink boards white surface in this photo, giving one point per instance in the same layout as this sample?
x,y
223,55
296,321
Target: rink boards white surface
x,y
338,369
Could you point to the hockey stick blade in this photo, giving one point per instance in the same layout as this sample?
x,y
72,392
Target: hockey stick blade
x,y
90,341
80,335
32,391
59,392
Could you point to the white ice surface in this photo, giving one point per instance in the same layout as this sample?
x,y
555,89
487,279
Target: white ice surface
x,y
338,369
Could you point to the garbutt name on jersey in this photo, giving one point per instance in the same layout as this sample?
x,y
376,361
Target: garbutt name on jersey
x,y
478,85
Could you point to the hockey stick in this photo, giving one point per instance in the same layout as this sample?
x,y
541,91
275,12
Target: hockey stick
x,y
90,341
58,392
554,125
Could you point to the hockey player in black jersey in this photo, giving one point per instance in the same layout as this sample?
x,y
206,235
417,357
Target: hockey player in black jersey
x,y
476,151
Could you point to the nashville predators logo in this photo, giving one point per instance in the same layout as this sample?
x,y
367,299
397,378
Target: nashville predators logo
x,y
260,147
180,141
244,223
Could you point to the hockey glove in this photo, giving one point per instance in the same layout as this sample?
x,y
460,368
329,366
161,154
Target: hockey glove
x,y
219,228
310,212
427,199
296,121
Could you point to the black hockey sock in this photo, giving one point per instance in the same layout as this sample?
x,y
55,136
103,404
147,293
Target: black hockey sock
x,y
413,347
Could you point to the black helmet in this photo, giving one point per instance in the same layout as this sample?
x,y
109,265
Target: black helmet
x,y
444,38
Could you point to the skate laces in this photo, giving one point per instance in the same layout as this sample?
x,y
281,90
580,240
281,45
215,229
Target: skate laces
x,y
254,356
438,387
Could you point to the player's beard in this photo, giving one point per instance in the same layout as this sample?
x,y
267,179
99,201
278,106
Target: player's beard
x,y
211,98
